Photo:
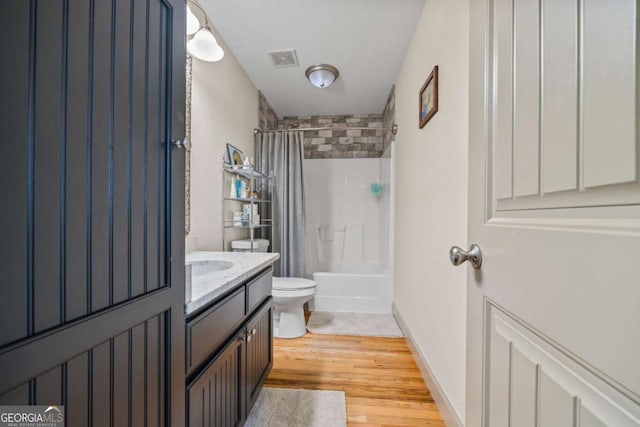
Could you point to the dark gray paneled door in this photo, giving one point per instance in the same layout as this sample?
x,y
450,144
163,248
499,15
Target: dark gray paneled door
x,y
92,209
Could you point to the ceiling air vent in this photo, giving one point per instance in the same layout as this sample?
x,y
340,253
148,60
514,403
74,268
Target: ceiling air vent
x,y
284,58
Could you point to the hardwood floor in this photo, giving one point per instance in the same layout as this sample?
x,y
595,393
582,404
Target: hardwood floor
x,y
379,376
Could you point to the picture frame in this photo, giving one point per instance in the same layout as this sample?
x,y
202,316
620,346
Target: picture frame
x,y
428,98
234,155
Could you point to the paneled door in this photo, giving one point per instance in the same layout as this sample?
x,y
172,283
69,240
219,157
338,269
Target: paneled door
x,y
92,280
554,311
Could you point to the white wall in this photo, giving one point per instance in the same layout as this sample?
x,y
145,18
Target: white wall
x,y
431,195
224,109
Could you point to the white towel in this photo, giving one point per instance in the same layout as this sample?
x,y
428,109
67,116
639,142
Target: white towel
x,y
325,233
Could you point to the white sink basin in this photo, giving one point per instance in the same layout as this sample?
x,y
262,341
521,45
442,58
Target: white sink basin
x,y
199,268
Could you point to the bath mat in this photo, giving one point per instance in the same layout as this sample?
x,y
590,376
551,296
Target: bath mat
x,y
281,407
361,324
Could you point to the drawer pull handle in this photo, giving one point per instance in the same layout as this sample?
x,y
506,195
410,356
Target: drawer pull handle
x,y
253,331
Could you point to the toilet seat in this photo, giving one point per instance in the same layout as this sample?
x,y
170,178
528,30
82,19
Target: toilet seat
x,y
292,284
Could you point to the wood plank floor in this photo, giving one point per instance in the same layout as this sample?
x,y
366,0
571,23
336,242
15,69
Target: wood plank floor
x,y
379,376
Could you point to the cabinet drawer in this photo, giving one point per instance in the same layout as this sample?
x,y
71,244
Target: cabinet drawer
x,y
259,289
206,332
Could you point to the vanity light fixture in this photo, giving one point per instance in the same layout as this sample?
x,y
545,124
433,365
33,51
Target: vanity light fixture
x,y
322,75
202,45
193,24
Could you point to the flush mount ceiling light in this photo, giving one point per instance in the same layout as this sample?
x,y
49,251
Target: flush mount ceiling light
x,y
322,75
203,45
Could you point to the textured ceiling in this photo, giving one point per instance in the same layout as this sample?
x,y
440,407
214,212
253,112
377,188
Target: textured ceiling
x,y
365,39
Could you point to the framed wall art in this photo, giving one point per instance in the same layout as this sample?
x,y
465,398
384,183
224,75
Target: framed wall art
x,y
234,155
428,98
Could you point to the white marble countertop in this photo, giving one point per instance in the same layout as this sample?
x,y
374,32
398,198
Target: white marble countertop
x,y
245,265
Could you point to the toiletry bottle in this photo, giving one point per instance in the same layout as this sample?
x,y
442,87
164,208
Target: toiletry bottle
x,y
233,193
239,185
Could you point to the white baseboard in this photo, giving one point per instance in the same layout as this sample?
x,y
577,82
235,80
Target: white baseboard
x,y
449,416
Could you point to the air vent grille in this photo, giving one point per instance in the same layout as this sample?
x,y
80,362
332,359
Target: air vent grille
x,y
284,58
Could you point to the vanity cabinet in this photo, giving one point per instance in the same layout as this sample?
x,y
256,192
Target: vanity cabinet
x,y
224,383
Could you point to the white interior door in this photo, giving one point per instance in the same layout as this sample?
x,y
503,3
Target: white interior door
x,y
554,312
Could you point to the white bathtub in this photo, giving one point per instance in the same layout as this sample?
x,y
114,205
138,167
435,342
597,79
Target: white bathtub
x,y
355,293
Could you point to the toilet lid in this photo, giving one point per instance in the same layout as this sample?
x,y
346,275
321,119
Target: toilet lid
x,y
292,283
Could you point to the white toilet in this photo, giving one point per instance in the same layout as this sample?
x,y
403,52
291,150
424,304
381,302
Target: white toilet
x,y
289,295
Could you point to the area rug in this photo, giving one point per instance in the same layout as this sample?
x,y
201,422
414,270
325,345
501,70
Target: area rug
x,y
361,324
281,407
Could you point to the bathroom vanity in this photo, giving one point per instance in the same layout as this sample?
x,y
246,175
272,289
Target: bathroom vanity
x,y
229,334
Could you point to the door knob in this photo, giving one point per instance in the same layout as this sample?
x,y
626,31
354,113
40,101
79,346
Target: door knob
x,y
183,144
458,256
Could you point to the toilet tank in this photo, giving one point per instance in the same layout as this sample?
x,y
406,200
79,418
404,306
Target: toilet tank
x,y
259,245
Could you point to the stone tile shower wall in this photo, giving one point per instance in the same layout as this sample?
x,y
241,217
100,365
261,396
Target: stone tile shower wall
x,y
336,143
340,143
389,118
267,117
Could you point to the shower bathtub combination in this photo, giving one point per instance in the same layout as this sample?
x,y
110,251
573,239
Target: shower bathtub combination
x,y
347,234
355,293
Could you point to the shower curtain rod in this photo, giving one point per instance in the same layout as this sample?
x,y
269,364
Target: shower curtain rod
x,y
393,129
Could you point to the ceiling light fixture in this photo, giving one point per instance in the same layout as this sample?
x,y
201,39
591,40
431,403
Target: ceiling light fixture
x,y
322,75
203,45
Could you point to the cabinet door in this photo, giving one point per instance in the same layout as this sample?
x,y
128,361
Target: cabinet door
x,y
259,351
92,276
216,397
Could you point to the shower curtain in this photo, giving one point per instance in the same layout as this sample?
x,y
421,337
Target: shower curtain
x,y
282,154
